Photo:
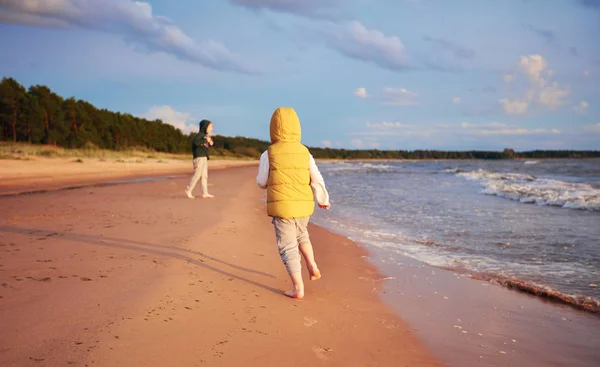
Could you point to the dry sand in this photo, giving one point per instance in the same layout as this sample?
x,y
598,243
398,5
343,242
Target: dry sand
x,y
52,173
139,275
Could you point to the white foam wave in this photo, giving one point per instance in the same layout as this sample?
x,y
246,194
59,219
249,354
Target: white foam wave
x,y
476,264
541,191
440,255
453,170
361,167
532,162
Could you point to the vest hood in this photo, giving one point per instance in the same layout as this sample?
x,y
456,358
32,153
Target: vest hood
x,y
285,125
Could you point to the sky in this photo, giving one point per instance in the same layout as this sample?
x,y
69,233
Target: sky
x,y
384,74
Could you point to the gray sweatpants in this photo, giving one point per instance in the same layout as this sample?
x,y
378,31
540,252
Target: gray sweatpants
x,y
290,233
200,172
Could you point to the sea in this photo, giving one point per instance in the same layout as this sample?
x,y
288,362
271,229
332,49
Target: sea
x,y
531,225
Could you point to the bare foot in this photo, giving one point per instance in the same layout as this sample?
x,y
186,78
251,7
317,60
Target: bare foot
x,y
207,196
297,294
314,272
189,194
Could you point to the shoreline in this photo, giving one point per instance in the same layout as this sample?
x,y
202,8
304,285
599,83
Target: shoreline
x,y
471,322
140,275
467,321
577,302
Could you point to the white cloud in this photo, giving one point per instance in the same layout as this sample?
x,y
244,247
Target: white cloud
x,y
553,96
508,77
360,144
540,91
513,107
361,93
357,143
399,97
327,143
514,131
170,116
593,128
456,100
356,41
499,129
582,107
532,66
530,94
307,8
463,130
586,73
495,125
458,51
134,21
385,125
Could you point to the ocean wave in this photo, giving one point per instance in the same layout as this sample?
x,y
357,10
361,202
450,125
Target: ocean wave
x,y
541,191
586,303
579,301
453,170
363,167
523,277
465,261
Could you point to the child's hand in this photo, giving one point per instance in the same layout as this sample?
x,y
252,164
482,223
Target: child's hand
x,y
326,207
210,141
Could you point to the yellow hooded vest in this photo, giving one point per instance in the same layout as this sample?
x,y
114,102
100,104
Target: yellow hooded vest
x,y
289,194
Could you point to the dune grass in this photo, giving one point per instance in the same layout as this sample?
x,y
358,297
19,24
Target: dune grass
x,y
24,151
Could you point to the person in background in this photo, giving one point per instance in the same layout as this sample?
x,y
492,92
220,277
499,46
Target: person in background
x,y
292,179
200,149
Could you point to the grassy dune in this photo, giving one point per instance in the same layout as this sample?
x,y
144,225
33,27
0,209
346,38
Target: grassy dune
x,y
23,151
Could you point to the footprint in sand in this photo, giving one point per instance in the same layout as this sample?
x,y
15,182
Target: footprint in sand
x,y
309,321
321,352
44,279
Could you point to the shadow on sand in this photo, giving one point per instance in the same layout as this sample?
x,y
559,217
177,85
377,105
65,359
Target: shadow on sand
x,y
148,248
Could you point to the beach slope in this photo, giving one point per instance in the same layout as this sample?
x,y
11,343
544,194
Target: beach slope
x,y
43,174
139,275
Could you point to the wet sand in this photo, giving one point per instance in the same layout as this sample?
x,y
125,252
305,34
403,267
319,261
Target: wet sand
x,y
469,322
139,275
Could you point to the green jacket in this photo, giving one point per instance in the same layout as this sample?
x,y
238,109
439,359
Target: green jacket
x,y
200,144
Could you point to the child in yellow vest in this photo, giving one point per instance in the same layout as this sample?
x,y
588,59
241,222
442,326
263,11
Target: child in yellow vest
x,y
289,173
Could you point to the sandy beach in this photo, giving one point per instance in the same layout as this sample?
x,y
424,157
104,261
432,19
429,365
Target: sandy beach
x,y
139,275
31,175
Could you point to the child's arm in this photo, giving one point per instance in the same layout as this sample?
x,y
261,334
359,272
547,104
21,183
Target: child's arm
x,y
198,141
263,171
318,185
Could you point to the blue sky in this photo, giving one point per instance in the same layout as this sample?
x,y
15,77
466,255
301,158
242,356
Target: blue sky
x,y
388,74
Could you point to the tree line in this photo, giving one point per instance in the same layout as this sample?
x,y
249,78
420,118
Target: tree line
x,y
39,116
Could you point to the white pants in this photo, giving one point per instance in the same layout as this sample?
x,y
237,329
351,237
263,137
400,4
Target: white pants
x,y
290,233
200,172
